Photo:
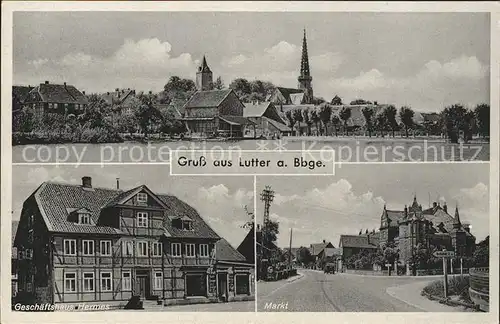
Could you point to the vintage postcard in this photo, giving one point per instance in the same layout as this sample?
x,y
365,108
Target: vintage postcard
x,y
227,161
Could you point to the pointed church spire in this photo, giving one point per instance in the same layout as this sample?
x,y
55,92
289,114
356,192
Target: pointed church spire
x,y
304,64
204,66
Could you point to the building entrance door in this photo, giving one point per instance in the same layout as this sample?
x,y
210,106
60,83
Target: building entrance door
x,y
142,284
222,285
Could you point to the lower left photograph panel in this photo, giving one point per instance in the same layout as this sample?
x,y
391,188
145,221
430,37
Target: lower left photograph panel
x,y
131,237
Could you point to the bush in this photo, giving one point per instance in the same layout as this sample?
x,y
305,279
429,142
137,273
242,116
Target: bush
x,y
457,286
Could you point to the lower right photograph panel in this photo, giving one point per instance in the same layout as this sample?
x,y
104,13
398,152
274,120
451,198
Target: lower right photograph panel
x,y
375,238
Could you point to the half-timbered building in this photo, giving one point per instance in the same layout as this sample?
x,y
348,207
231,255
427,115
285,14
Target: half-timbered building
x,y
83,244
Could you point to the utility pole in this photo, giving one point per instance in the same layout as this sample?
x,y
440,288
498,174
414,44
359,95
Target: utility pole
x,y
267,197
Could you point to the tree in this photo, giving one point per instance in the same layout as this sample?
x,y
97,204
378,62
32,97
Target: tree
x,y
453,121
336,101
469,125
368,114
360,102
481,257
297,115
325,112
23,120
335,122
218,84
390,113
146,114
482,113
307,120
381,123
391,254
304,255
345,114
406,115
241,87
290,118
177,89
314,117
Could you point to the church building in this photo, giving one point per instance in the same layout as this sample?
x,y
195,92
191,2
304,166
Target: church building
x,y
303,95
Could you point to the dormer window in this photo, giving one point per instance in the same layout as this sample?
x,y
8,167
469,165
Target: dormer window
x,y
84,218
182,223
142,198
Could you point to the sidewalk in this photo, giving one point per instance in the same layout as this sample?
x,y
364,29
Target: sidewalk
x,y
297,277
410,294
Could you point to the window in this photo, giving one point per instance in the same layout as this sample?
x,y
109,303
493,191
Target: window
x,y
158,282
142,219
88,281
88,247
187,225
105,248
126,281
70,282
128,248
142,249
84,218
142,198
51,106
66,106
55,106
156,249
106,281
242,284
204,250
190,252
70,247
176,249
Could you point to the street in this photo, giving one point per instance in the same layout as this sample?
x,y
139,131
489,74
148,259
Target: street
x,y
317,292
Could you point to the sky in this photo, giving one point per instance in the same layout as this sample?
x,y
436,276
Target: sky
x,y
219,201
424,60
323,208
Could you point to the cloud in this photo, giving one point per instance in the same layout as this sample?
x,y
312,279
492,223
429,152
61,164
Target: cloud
x,y
462,79
473,206
326,212
224,210
142,64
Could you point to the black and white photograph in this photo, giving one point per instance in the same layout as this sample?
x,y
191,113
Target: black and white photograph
x,y
93,239
373,86
370,239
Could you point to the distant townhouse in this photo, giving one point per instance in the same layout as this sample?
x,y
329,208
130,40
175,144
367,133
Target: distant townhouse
x,y
318,250
61,99
121,100
80,243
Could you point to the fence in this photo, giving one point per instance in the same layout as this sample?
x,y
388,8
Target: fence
x,y
479,291
282,274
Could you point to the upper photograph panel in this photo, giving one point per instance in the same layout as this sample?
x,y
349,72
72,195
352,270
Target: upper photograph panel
x,y
373,87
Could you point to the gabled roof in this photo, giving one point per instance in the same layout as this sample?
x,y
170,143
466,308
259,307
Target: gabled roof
x,y
236,120
358,241
317,248
296,98
124,196
58,93
54,200
329,252
225,252
207,99
281,127
247,246
357,117
255,110
123,97
395,216
294,251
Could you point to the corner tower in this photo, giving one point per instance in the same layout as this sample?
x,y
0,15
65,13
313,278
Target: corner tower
x,y
305,78
204,78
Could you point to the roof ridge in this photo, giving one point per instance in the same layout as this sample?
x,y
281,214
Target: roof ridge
x,y
60,183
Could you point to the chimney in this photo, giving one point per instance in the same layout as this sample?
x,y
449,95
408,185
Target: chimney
x,y
434,205
118,183
87,182
83,92
64,83
150,92
324,241
375,103
445,207
46,82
